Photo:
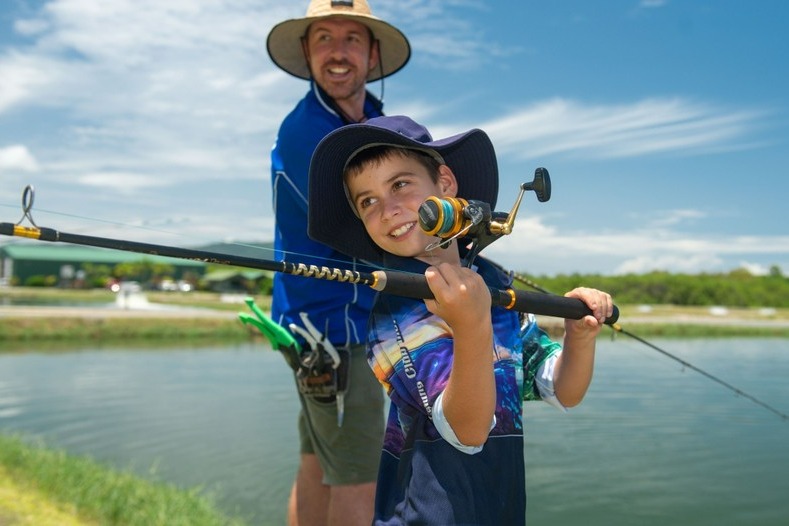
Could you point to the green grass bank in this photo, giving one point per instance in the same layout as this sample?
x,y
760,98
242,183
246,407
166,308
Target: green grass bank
x,y
40,486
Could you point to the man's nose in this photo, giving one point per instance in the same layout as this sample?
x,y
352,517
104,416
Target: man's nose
x,y
339,48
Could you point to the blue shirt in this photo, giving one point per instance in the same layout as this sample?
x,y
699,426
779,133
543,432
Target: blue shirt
x,y
340,308
423,477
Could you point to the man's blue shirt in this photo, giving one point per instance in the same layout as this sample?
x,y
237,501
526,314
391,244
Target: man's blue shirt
x,y
340,308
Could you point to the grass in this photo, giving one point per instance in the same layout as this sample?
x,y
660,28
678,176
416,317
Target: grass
x,y
109,330
140,326
43,295
22,505
44,486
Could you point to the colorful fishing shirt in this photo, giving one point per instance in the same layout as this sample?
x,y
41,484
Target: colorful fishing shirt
x,y
423,478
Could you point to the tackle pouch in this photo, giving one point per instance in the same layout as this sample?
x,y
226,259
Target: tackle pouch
x,y
319,379
323,370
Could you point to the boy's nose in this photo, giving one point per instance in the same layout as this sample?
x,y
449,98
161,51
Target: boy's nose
x,y
391,209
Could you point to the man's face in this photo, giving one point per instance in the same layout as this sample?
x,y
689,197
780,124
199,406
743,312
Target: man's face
x,y
340,55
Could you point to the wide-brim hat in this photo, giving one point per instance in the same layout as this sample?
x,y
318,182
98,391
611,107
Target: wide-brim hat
x,y
333,222
284,40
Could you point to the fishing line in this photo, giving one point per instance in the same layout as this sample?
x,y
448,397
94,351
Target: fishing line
x,y
269,251
618,329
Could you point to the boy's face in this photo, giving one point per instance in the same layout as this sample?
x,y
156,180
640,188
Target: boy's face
x,y
387,196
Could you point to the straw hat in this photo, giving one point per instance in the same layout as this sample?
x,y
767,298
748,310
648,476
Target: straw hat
x,y
331,220
284,40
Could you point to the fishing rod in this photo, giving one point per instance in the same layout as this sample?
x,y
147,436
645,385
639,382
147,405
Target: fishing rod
x,y
618,328
451,218
398,283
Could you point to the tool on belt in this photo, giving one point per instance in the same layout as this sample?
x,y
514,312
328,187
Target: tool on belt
x,y
321,370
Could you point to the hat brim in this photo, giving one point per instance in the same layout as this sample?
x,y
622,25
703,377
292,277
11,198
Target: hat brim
x,y
331,221
284,45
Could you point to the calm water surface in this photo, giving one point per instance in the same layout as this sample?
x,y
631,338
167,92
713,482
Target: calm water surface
x,y
652,444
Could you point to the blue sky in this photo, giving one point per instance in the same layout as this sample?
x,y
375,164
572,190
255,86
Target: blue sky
x,y
664,124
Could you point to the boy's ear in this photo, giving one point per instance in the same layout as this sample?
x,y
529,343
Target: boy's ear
x,y
447,181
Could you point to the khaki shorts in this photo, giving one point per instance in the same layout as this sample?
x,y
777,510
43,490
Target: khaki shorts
x,y
347,454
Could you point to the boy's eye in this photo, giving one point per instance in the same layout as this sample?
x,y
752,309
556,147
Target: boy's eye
x,y
366,203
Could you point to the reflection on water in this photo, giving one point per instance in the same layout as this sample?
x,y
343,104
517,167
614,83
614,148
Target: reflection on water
x,y
14,301
651,444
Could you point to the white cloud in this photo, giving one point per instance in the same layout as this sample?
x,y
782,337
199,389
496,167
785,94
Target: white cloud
x,y
17,158
542,248
31,27
673,262
675,217
444,35
757,269
618,130
22,75
122,182
650,4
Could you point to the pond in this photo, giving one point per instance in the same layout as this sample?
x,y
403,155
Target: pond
x,y
652,444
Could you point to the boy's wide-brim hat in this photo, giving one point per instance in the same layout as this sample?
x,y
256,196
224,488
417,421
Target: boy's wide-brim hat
x,y
331,220
284,40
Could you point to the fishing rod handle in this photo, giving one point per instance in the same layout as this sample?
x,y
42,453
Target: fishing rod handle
x,y
415,286
548,305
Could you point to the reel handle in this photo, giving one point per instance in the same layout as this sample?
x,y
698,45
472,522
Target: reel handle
x,y
541,184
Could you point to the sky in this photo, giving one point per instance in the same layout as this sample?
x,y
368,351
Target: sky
x,y
664,124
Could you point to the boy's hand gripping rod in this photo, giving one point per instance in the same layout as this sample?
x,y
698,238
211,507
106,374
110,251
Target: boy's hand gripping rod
x,y
390,281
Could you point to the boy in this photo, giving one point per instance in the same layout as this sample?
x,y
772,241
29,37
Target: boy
x,y
456,369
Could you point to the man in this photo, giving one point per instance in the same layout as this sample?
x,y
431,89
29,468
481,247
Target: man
x,y
338,46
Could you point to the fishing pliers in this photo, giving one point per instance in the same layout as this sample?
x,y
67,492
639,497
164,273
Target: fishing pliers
x,y
318,369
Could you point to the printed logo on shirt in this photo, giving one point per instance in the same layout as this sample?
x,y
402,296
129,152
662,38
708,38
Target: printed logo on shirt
x,y
410,370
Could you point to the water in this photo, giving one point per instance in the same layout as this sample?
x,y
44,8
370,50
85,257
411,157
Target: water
x,y
651,444
220,418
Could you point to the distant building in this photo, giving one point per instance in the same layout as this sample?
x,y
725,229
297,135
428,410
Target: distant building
x,y
237,281
20,261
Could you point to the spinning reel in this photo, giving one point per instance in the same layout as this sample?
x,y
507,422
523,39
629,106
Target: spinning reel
x,y
453,217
